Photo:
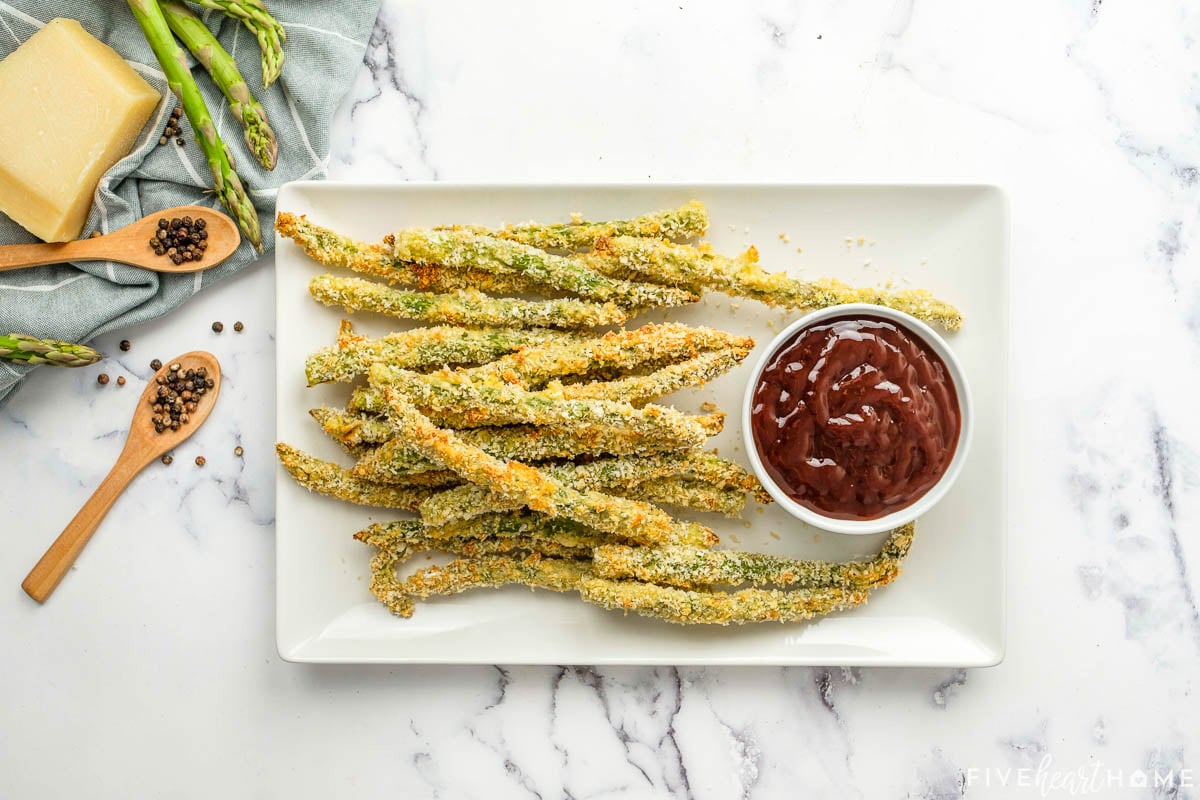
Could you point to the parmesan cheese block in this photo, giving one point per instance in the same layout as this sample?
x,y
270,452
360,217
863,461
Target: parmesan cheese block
x,y
71,109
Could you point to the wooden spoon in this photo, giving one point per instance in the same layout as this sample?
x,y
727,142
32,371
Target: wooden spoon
x,y
142,446
131,245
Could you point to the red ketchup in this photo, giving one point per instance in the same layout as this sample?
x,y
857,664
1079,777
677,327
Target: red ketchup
x,y
855,417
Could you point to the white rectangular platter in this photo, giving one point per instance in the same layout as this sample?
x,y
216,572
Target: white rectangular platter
x,y
946,609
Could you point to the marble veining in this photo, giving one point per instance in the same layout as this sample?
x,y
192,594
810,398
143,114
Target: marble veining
x,y
156,660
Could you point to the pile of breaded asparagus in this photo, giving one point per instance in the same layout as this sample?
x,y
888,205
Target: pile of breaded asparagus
x,y
531,446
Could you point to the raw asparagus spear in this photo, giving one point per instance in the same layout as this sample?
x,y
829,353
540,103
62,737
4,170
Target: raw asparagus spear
x,y
19,347
198,39
174,63
266,29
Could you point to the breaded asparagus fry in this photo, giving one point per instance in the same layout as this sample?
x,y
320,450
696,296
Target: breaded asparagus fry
x,y
464,307
360,434
640,522
450,400
332,249
471,500
625,477
466,250
473,547
683,265
654,343
689,566
327,478
421,348
641,389
707,353
634,391
410,536
528,525
685,222
717,608
386,586
391,535
490,572
712,468
511,443
687,493
400,543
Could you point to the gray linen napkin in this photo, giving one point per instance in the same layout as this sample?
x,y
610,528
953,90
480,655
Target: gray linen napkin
x,y
325,45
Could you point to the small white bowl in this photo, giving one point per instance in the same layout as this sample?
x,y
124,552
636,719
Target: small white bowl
x,y
935,493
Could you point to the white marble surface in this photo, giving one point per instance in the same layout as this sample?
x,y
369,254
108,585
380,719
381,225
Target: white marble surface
x,y
153,671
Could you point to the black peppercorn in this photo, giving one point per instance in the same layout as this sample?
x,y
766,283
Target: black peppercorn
x,y
121,380
156,365
167,459
125,345
179,141
102,379
200,462
217,327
